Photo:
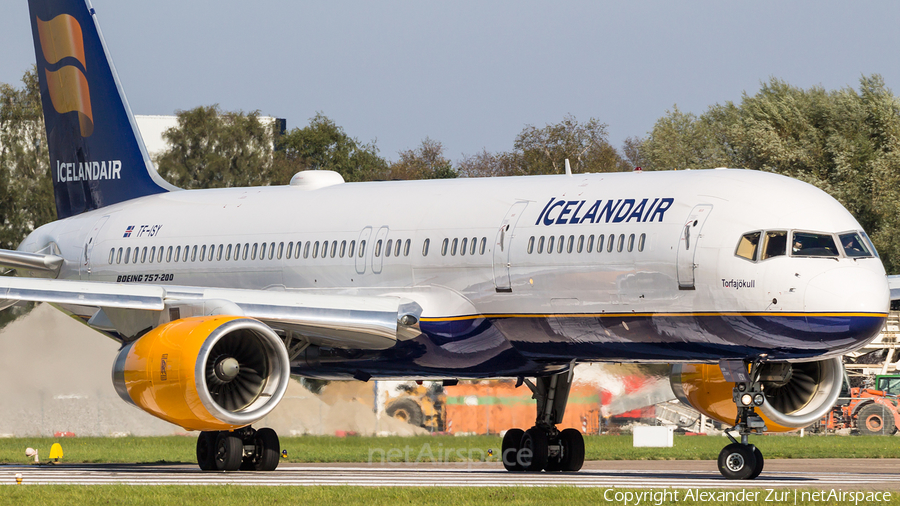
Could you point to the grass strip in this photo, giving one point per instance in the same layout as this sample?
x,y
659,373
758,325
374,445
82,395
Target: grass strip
x,y
179,449
225,495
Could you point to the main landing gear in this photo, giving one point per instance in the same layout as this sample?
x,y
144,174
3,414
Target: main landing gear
x,y
741,460
543,447
244,449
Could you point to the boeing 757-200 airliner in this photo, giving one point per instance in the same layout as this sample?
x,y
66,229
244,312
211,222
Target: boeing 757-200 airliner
x,y
751,284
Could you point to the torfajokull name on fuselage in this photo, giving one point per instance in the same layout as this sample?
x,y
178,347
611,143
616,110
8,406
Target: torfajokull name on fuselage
x,y
573,212
88,171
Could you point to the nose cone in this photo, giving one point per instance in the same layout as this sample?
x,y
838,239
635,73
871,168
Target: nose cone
x,y
848,290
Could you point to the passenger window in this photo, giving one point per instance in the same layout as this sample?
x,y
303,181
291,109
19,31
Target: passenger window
x,y
530,245
202,252
473,246
541,245
193,253
621,243
571,244
630,243
306,250
333,248
610,244
127,255
483,245
134,259
444,246
315,253
246,250
580,243
748,245
854,246
343,248
297,250
290,250
362,249
378,248
389,248
144,255
272,251
550,241
169,254
219,253
453,246
406,249
352,249
178,254
641,242
559,245
463,246
775,244
152,254
255,250
600,243
806,244
425,247
119,256
237,251
228,253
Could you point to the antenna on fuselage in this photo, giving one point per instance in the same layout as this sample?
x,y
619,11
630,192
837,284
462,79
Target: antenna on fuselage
x,y
568,168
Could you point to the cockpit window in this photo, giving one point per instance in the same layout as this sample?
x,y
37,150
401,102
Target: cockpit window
x,y
869,242
748,245
775,244
854,246
806,244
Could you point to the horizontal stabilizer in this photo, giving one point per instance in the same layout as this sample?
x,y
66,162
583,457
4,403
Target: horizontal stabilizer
x,y
33,261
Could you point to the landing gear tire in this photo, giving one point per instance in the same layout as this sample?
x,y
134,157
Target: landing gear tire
x,y
572,443
229,451
534,449
738,462
509,450
759,463
268,450
206,451
875,420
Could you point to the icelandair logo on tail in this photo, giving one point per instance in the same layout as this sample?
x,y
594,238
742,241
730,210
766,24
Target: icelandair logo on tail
x,y
573,212
88,171
62,39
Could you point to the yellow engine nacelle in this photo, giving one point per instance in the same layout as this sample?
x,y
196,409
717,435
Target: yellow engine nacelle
x,y
798,398
205,373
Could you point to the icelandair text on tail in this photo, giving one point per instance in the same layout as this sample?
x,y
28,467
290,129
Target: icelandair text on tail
x,y
88,171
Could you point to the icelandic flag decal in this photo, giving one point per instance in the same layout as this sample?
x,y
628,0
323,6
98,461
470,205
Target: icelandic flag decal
x,y
128,231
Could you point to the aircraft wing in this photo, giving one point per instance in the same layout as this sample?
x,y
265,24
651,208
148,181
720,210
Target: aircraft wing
x,y
343,321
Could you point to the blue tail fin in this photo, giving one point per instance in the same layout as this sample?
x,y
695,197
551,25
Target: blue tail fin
x,y
97,156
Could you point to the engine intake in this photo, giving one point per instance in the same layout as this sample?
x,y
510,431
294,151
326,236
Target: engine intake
x,y
797,394
205,373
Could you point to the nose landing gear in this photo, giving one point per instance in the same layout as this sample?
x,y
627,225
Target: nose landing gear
x,y
544,447
244,449
741,460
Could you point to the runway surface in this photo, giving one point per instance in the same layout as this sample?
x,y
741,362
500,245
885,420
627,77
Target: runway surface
x,y
846,474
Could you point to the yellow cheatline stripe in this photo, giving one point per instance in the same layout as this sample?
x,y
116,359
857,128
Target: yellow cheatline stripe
x,y
632,315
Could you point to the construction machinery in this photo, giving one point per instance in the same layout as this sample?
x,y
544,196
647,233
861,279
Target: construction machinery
x,y
869,411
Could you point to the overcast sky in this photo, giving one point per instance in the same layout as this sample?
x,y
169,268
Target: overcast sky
x,y
473,74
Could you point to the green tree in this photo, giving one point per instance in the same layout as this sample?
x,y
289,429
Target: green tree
x,y
26,184
323,145
681,141
215,149
545,150
425,162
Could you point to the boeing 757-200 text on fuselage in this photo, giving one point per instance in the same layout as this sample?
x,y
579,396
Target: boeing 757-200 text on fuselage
x,y
751,284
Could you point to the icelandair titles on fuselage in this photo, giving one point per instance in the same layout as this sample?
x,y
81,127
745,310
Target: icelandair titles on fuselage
x,y
88,171
561,212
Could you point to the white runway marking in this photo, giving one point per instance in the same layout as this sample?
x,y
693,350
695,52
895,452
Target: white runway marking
x,y
306,474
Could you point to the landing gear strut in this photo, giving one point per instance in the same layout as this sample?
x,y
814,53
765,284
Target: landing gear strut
x,y
244,449
543,447
741,460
